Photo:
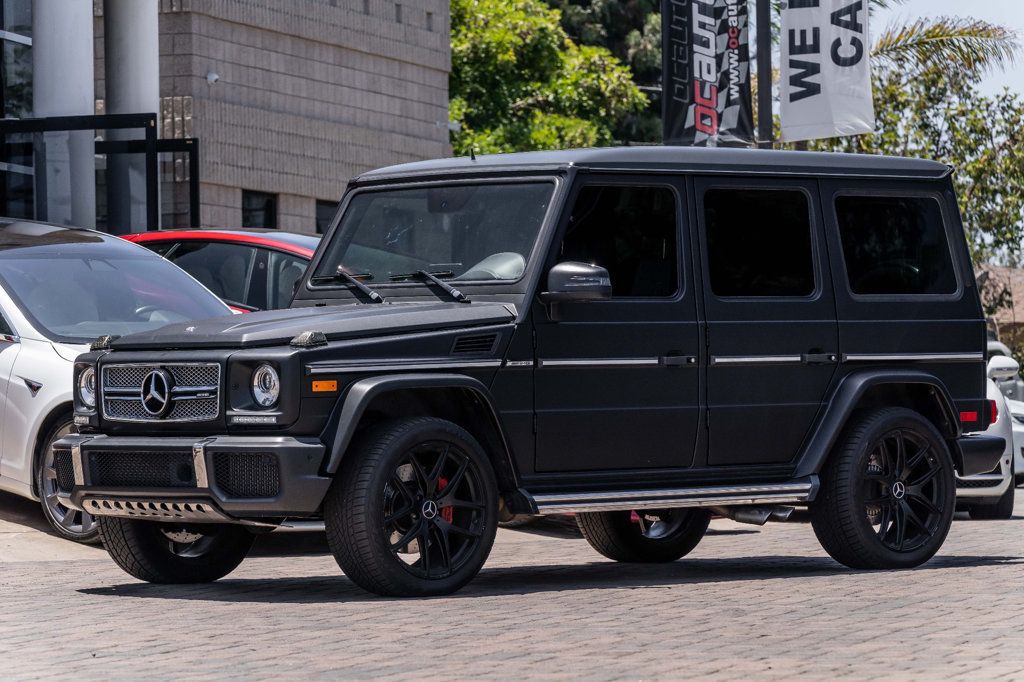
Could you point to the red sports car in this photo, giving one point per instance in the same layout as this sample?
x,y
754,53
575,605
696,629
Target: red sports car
x,y
249,269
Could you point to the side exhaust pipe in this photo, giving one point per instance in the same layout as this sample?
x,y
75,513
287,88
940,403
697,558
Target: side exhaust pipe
x,y
757,516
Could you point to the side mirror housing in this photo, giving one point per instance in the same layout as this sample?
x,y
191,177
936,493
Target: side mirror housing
x,y
1002,368
573,281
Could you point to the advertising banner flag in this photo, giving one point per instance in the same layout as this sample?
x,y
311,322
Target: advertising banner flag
x,y
706,77
826,70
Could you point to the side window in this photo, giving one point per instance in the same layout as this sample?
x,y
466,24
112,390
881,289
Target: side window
x,y
283,271
5,327
630,231
895,245
759,242
224,269
162,248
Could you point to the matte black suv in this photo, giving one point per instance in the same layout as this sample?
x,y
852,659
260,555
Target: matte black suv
x,y
639,336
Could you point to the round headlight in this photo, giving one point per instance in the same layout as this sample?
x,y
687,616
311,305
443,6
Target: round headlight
x,y
87,387
266,386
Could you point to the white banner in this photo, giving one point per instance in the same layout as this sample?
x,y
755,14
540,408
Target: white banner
x,y
826,69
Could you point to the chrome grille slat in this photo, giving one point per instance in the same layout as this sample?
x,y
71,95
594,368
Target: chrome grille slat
x,y
190,402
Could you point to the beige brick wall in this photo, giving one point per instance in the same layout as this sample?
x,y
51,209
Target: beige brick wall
x,y
311,93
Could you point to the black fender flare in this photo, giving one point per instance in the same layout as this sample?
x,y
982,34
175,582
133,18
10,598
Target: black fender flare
x,y
845,398
360,394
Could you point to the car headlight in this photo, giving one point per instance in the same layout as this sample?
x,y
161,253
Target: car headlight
x,y
87,387
266,386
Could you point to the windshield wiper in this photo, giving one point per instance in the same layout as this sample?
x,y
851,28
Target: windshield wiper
x,y
432,277
354,280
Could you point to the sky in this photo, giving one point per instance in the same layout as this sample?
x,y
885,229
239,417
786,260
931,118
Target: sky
x,y
1008,13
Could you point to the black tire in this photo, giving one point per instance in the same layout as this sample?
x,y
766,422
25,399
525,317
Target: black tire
x,y
911,496
70,524
1002,509
148,550
644,536
378,511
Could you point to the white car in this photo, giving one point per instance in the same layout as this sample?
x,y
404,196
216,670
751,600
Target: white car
x,y
1016,408
990,495
60,288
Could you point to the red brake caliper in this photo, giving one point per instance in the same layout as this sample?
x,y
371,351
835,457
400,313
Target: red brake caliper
x,y
447,513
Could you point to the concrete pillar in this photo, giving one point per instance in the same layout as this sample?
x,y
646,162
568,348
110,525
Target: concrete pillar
x,y
131,52
62,85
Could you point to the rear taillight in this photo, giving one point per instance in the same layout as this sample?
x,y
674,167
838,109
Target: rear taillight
x,y
993,412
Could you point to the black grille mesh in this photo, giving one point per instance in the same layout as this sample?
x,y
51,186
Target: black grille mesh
x,y
974,483
142,469
247,474
65,470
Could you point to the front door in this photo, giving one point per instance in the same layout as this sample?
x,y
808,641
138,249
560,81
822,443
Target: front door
x,y
772,332
617,381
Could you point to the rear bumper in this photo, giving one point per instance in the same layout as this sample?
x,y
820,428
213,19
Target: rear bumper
x,y
214,480
980,453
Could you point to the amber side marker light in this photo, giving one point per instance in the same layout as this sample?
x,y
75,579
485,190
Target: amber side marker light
x,y
325,386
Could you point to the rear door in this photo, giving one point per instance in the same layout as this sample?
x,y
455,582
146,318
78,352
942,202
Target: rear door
x,y
771,319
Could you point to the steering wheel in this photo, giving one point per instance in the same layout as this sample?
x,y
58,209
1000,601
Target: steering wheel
x,y
139,312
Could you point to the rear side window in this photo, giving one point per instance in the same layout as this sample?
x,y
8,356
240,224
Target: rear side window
x,y
224,269
759,242
895,245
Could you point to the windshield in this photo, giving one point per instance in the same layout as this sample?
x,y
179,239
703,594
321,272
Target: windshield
x,y
478,232
76,295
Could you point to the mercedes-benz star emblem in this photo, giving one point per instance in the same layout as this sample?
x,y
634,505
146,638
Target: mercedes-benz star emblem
x,y
429,509
156,392
899,490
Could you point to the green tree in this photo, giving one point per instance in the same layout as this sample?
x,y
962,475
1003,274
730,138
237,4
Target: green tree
x,y
520,83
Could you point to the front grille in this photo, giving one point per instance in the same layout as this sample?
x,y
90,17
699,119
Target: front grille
x,y
975,483
115,469
195,395
247,474
65,470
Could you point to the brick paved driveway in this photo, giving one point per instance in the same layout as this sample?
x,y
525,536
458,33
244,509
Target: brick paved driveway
x,y
748,604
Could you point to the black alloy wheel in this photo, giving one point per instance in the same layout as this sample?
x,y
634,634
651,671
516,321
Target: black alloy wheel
x,y
887,492
414,508
433,510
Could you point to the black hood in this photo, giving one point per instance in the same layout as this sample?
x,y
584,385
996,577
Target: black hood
x,y
276,327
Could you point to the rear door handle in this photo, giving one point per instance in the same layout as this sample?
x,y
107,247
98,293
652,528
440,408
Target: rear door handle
x,y
677,360
818,358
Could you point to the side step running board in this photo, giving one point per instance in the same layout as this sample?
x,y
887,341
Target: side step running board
x,y
802,490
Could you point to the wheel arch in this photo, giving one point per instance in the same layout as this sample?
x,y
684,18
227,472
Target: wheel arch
x,y
461,399
65,409
919,391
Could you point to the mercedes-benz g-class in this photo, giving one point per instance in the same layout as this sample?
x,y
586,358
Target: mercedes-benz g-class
x,y
643,337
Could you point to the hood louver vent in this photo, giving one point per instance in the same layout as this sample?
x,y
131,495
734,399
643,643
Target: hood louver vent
x,y
483,343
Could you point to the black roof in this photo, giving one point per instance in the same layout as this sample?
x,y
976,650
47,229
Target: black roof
x,y
28,234
692,159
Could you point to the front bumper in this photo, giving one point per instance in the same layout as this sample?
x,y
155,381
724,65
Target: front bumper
x,y
214,480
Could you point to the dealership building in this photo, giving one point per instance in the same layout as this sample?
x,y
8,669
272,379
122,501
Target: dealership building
x,y
132,114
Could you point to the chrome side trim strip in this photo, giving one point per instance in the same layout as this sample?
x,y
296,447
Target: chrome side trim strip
x,y
601,362
355,367
756,359
779,493
914,357
76,464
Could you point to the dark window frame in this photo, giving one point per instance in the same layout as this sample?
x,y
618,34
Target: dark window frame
x,y
268,195
948,230
635,180
765,184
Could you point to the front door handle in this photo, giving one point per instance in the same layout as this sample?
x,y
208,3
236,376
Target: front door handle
x,y
677,360
818,358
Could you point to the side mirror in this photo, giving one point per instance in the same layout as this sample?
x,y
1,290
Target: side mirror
x,y
1002,368
572,281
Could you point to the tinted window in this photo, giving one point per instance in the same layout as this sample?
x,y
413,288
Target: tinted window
x,y
895,245
283,272
5,328
466,232
75,294
759,242
224,269
630,231
259,209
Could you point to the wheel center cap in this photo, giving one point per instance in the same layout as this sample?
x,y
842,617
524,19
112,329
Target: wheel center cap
x,y
429,509
899,490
